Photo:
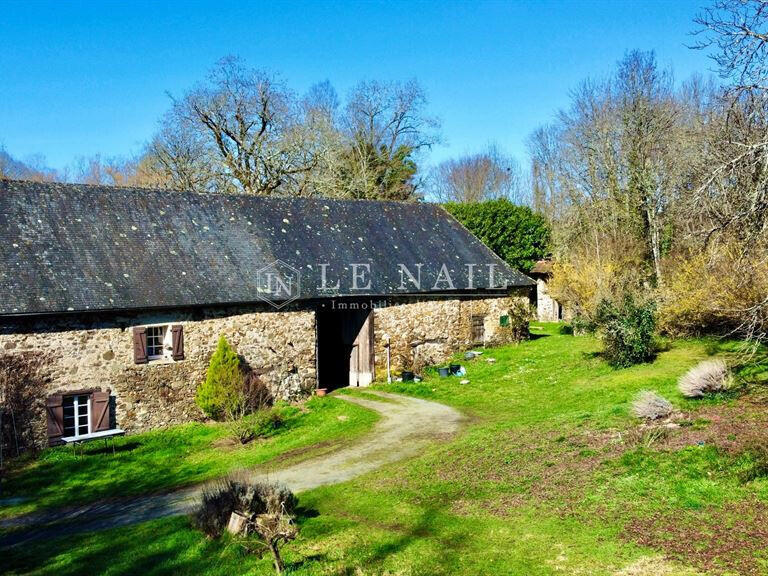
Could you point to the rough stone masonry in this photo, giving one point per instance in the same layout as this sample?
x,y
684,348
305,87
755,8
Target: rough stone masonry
x,y
97,353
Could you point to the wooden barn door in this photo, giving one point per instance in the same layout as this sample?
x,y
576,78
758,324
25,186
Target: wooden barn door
x,y
358,332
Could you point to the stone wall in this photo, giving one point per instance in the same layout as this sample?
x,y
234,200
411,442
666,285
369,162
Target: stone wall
x,y
428,331
547,308
98,353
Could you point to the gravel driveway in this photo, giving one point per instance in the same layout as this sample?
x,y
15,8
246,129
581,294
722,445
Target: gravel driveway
x,y
405,427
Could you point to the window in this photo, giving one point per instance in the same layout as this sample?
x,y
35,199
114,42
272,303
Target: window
x,y
155,341
77,415
164,342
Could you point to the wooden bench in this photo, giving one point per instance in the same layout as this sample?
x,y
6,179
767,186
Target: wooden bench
x,y
103,434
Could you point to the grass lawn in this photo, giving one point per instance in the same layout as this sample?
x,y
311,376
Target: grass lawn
x,y
550,476
178,456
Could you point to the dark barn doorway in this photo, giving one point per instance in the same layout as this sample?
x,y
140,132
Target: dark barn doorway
x,y
344,346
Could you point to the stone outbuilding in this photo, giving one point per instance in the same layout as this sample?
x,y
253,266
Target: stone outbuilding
x,y
547,308
125,292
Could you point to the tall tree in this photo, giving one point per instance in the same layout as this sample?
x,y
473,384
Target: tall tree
x,y
245,123
735,192
547,184
385,125
243,131
732,201
613,173
648,117
607,169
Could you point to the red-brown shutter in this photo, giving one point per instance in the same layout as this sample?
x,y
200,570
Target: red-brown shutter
x,y
54,410
140,345
99,411
177,334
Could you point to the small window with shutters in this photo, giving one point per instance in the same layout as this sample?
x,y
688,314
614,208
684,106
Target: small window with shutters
x,y
78,414
158,342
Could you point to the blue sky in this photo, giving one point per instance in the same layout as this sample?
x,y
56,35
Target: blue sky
x,y
77,78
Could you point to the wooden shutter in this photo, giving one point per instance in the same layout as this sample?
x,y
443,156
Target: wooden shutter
x,y
99,411
54,410
177,333
140,345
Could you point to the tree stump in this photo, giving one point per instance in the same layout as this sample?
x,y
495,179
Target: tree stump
x,y
237,523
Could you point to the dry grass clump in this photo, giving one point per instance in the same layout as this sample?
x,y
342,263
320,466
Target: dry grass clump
x,y
651,406
707,377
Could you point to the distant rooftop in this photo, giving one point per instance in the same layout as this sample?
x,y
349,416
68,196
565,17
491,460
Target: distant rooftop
x,y
542,267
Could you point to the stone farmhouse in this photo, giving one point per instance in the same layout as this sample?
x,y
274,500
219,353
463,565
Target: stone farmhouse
x,y
122,295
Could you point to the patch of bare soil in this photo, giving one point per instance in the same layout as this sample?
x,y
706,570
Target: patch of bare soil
x,y
733,427
732,538
655,566
729,539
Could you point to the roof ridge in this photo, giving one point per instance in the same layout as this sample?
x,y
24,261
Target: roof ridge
x,y
111,187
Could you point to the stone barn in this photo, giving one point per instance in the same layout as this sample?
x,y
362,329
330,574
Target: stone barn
x,y
124,293
547,308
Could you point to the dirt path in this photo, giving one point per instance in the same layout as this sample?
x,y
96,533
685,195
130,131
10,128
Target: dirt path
x,y
406,426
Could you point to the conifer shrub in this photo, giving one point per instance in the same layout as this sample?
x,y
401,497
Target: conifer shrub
x,y
223,384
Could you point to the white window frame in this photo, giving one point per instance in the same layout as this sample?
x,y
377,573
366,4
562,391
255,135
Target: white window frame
x,y
76,406
166,342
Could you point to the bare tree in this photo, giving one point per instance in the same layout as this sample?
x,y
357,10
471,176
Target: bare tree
x,y
33,168
116,171
734,194
179,157
547,183
738,32
245,123
488,175
648,120
324,141
243,130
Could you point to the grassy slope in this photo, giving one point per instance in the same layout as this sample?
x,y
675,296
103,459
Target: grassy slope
x,y
542,481
178,456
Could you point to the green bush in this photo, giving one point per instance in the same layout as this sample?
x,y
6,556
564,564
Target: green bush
x,y
581,325
223,385
515,233
627,331
266,422
263,423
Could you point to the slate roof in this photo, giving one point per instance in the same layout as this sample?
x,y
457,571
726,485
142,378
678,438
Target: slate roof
x,y
68,248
